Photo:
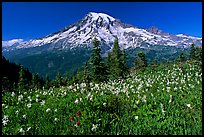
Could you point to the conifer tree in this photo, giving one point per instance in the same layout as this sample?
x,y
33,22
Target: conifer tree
x,y
116,62
198,53
141,61
58,80
21,81
47,82
192,52
97,67
182,57
34,81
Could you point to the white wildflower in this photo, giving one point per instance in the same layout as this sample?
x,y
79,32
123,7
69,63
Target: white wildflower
x,y
12,94
104,104
28,128
94,127
56,119
189,105
170,99
24,116
80,99
136,117
47,110
29,105
44,93
55,110
5,120
91,98
88,95
16,112
43,102
21,130
168,89
137,102
163,111
144,99
20,98
161,105
76,101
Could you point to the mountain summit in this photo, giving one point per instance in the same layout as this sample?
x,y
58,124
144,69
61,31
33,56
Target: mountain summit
x,y
69,48
106,28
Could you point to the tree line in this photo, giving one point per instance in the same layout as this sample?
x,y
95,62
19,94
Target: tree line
x,y
96,69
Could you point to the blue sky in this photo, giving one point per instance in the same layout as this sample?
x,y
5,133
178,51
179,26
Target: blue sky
x,y
30,20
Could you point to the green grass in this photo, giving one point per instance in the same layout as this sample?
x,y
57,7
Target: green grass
x,y
165,101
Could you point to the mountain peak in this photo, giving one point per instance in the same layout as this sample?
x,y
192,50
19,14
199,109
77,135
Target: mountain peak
x,y
106,28
154,30
104,16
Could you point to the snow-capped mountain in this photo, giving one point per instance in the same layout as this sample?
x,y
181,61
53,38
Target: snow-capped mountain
x,y
106,28
11,42
70,48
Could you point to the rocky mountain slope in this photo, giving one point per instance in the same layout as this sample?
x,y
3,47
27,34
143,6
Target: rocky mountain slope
x,y
105,28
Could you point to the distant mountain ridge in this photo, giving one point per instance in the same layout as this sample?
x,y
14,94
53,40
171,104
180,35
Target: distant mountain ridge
x,y
105,28
69,48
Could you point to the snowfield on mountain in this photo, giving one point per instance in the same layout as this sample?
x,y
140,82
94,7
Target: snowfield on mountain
x,y
106,28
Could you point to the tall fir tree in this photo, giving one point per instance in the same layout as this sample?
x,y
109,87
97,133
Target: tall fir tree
x,y
141,61
192,52
21,81
58,80
34,81
47,81
116,62
97,67
182,57
198,53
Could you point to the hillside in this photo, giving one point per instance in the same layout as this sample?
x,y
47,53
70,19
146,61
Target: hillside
x,y
166,100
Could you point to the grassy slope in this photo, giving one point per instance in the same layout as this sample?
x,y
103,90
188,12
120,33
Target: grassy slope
x,y
149,102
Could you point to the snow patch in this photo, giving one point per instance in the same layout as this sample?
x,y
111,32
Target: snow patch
x,y
11,42
103,15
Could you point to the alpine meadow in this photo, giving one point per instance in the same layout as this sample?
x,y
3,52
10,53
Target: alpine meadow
x,y
101,76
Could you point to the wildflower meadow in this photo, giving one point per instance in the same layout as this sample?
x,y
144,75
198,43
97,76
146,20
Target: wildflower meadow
x,y
166,100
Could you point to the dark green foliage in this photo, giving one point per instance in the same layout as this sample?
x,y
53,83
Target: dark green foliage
x,y
181,57
97,67
116,62
193,52
86,76
50,62
21,81
79,76
155,52
34,82
141,61
10,74
17,77
198,53
47,82
58,80
115,104
154,64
